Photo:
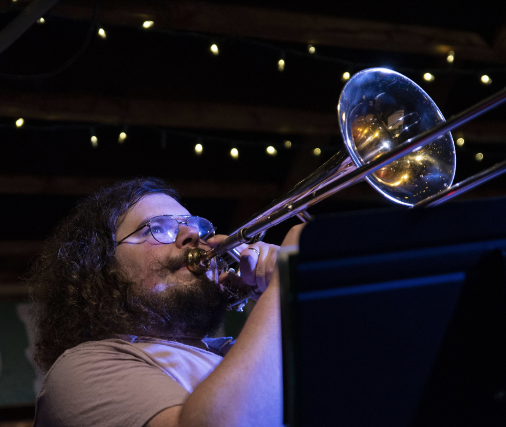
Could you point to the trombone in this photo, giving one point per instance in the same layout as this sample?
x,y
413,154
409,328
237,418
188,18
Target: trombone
x,y
396,138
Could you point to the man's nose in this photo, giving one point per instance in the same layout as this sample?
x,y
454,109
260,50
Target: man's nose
x,y
187,236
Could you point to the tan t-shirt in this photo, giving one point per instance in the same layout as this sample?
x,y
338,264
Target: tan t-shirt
x,y
122,382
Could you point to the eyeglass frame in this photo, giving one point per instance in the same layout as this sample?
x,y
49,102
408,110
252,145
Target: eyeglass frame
x,y
175,217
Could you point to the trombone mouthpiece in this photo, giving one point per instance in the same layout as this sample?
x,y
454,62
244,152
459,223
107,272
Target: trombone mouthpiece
x,y
197,261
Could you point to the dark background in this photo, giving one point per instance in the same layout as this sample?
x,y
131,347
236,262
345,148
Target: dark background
x,y
166,89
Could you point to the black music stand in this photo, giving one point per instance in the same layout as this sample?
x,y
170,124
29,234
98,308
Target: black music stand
x,y
397,318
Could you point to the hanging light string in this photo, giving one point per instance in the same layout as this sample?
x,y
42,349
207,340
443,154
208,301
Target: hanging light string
x,y
284,55
199,142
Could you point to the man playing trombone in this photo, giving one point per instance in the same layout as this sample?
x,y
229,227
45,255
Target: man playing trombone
x,y
124,327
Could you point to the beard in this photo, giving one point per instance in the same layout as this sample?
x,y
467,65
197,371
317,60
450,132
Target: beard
x,y
192,307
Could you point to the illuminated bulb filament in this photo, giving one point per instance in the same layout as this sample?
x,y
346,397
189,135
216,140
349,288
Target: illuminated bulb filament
x,y
94,141
486,79
311,48
234,152
287,144
317,151
281,65
346,76
199,148
101,33
428,77
479,156
20,122
271,150
148,24
214,49
451,56
460,142
41,20
122,137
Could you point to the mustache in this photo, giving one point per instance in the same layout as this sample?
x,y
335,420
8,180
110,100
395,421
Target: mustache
x,y
175,262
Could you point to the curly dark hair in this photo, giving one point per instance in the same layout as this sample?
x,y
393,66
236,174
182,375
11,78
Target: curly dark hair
x,y
78,291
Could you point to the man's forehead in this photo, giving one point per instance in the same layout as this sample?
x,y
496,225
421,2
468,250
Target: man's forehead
x,y
152,205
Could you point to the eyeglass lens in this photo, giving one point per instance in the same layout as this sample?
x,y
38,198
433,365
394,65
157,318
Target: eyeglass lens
x,y
164,229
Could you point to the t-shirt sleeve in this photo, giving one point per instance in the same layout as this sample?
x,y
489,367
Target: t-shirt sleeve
x,y
105,385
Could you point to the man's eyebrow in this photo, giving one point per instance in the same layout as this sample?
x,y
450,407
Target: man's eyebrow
x,y
143,222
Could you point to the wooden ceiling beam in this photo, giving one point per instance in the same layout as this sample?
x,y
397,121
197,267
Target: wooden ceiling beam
x,y
77,186
94,109
163,113
287,26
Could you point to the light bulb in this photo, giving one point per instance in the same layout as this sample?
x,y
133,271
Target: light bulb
x,y
148,24
101,33
460,142
281,65
214,49
234,152
486,79
271,150
311,48
41,20
20,122
122,136
287,144
199,148
451,56
94,141
346,76
479,157
317,151
428,77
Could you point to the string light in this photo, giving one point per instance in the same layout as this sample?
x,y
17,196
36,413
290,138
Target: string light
x,y
428,77
234,152
41,20
121,138
486,80
271,150
101,33
311,50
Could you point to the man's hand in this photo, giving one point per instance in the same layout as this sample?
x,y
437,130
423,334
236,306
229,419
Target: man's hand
x,y
257,264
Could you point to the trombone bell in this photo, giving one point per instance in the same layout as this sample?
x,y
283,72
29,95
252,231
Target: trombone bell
x,y
379,110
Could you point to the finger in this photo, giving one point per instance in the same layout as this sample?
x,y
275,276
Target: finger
x,y
293,235
248,263
265,266
216,240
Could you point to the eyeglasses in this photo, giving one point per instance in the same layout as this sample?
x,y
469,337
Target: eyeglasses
x,y
165,228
